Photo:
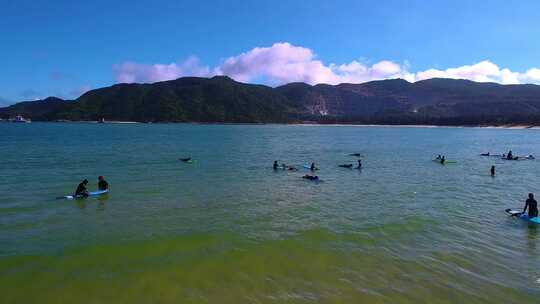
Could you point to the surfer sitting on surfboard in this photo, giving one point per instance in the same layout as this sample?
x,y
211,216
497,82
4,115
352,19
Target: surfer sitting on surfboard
x,y
81,189
532,205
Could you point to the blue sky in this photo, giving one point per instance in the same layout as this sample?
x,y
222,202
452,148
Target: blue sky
x,y
64,48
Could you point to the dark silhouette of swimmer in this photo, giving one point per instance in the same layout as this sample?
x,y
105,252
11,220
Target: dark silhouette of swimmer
x,y
443,159
510,156
275,166
532,205
492,170
346,166
359,164
312,167
185,159
102,183
310,177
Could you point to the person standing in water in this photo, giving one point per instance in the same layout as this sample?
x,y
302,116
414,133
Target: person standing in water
x,y
492,170
275,166
443,159
532,205
312,167
102,184
81,189
359,164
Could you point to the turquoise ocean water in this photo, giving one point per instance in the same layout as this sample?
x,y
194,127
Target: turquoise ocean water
x,y
228,229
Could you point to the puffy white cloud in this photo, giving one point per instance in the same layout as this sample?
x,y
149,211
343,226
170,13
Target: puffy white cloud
x,y
532,74
283,63
129,72
484,71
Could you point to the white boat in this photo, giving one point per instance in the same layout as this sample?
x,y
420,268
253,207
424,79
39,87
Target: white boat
x,y
20,119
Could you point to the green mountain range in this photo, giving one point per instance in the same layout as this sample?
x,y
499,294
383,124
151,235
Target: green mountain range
x,y
221,99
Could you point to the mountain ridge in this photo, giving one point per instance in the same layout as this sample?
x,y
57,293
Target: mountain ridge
x,y
222,99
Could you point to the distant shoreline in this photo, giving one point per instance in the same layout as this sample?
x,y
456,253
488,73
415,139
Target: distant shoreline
x,y
307,123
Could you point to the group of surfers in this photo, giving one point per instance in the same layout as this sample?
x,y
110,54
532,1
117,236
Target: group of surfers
x,y
508,156
530,204
441,159
313,168
83,192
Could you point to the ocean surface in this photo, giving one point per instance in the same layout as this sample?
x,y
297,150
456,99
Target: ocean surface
x,y
229,229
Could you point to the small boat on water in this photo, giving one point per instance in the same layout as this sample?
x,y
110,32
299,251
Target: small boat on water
x,y
20,119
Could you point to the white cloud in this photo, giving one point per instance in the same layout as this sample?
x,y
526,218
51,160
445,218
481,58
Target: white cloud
x,y
284,63
129,72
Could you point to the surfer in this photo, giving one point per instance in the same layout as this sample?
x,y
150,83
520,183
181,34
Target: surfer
x,y
346,166
532,205
359,164
438,157
81,189
492,170
510,156
484,154
310,177
443,159
185,159
102,183
275,166
312,167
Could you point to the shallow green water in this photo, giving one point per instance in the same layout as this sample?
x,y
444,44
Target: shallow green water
x,y
227,229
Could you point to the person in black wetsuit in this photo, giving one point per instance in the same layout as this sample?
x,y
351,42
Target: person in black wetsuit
x,y
510,156
275,166
102,183
443,159
359,164
310,177
187,159
532,205
492,170
81,189
312,167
